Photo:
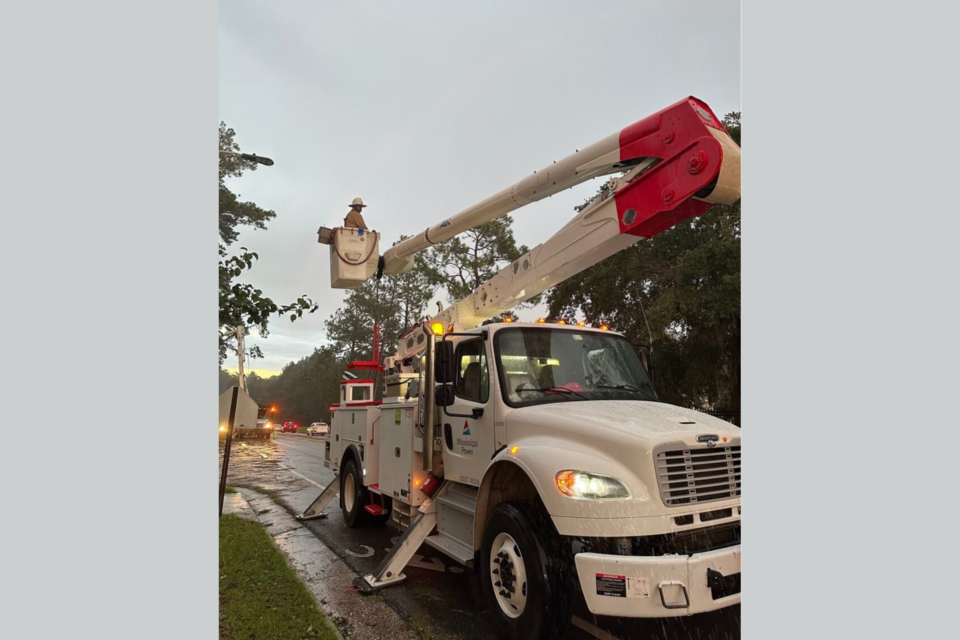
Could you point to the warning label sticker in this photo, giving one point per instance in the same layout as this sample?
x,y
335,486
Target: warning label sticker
x,y
612,586
615,586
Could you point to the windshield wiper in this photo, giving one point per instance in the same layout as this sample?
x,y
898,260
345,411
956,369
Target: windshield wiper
x,y
625,387
562,390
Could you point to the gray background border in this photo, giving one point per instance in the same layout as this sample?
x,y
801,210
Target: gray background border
x,y
849,297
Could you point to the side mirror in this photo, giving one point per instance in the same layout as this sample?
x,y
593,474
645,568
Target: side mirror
x,y
444,363
645,360
643,352
443,396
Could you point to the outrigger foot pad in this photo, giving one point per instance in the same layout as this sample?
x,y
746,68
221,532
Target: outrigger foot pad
x,y
364,587
303,516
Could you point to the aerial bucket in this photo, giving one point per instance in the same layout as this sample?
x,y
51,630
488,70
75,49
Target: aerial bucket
x,y
354,254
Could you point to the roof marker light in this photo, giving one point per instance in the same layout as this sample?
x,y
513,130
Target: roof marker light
x,y
541,320
604,327
581,324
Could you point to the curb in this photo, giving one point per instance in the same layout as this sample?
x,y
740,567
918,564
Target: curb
x,y
325,574
239,506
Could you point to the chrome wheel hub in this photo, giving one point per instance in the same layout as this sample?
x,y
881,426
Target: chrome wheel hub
x,y
508,575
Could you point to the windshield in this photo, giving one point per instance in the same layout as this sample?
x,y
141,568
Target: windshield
x,y
538,365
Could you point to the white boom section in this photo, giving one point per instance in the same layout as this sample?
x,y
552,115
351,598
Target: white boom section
x,y
592,236
599,159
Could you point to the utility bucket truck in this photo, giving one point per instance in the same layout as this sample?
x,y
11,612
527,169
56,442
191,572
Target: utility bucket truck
x,y
539,455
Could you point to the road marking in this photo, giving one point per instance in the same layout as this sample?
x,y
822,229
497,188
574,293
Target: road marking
x,y
436,563
596,632
304,477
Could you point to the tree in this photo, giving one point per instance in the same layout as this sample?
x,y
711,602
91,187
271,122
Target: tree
x,y
688,281
304,390
466,261
243,304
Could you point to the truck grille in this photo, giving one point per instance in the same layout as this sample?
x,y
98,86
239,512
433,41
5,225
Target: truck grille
x,y
696,475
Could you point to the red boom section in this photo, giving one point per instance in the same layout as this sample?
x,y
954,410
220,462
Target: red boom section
x,y
690,158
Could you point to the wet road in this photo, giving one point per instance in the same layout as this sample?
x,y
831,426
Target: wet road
x,y
436,597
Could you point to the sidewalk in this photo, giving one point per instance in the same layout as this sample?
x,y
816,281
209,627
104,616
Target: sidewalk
x,y
327,577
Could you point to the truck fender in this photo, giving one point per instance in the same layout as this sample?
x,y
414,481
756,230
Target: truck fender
x,y
507,478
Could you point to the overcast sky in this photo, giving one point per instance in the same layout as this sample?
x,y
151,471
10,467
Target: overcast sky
x,y
423,109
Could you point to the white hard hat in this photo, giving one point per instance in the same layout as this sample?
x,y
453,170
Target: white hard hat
x,y
357,202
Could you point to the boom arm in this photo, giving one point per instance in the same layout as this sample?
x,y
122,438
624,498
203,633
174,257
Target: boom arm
x,y
687,143
680,162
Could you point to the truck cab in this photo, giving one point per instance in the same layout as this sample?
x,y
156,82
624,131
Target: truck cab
x,y
568,418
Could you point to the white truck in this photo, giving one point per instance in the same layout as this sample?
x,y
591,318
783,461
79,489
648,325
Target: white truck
x,y
538,454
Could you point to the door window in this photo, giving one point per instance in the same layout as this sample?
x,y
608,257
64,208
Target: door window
x,y
473,380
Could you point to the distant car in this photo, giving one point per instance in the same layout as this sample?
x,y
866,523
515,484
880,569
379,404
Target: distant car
x,y
318,429
290,427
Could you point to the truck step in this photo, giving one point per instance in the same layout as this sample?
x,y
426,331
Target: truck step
x,y
460,497
374,509
451,547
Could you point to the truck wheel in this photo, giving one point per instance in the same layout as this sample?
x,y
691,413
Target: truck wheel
x,y
521,573
354,495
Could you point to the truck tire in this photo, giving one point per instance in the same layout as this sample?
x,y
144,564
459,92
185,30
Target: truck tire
x,y
525,585
354,495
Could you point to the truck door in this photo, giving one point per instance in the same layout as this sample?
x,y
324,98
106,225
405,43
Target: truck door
x,y
468,440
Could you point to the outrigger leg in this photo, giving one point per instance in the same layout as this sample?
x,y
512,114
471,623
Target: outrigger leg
x,y
315,510
390,570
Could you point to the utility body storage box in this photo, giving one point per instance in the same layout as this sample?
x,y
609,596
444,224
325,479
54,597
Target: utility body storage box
x,y
401,453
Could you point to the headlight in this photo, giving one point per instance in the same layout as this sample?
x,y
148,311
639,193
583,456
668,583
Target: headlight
x,y
267,426
590,486
222,428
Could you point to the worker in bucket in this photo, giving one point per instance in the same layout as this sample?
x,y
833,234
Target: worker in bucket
x,y
354,219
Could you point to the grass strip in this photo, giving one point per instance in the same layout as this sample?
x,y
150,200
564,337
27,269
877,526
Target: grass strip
x,y
260,595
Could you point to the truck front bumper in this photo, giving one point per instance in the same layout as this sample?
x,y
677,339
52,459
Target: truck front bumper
x,y
659,586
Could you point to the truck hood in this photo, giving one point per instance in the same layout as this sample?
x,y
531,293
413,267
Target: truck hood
x,y
617,438
633,421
